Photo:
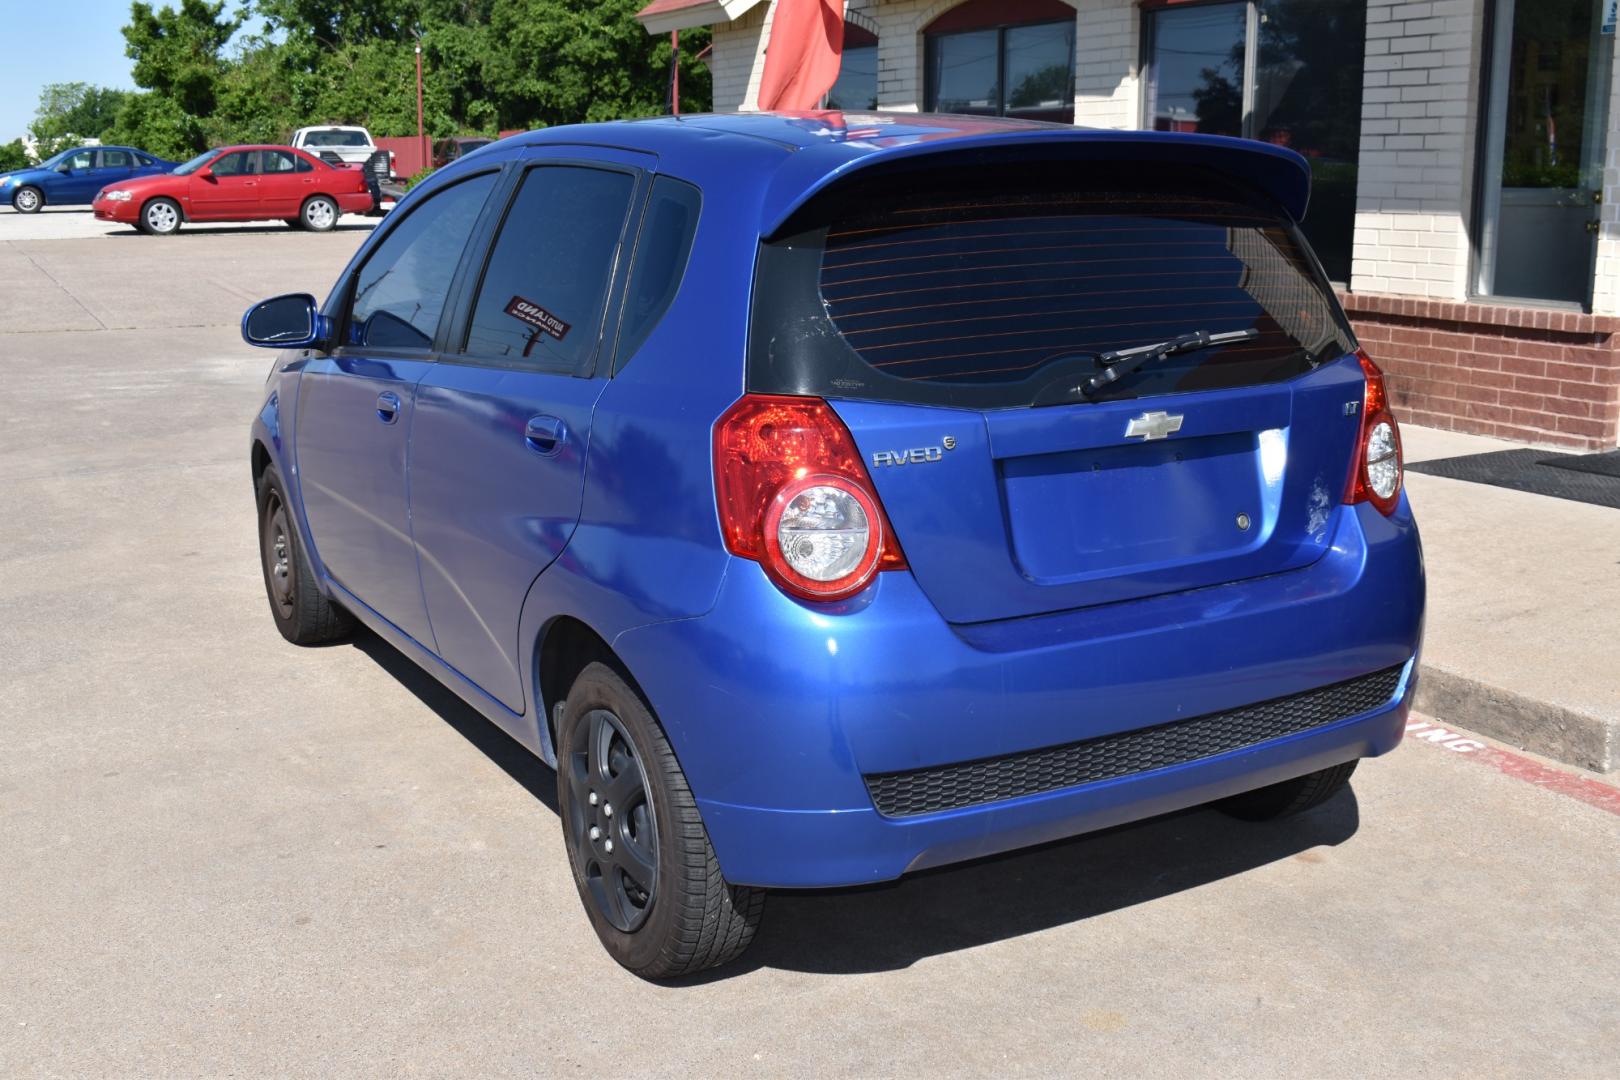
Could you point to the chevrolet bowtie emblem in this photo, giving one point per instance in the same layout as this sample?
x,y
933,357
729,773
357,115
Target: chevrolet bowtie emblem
x,y
1153,425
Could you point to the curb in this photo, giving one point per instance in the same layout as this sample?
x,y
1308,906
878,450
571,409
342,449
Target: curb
x,y
1568,735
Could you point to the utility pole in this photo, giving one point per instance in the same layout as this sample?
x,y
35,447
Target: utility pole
x,y
675,71
421,134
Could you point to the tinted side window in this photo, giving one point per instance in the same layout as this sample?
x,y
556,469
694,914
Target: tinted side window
x,y
81,160
277,161
232,164
661,253
547,280
114,159
144,160
400,290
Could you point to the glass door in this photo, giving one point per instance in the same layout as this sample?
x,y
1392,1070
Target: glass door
x,y
1543,173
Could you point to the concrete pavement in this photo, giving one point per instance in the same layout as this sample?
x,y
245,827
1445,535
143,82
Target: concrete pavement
x,y
221,854
1524,610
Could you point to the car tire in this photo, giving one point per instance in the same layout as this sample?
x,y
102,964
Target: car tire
x,y
27,200
1289,797
302,614
685,917
160,217
318,214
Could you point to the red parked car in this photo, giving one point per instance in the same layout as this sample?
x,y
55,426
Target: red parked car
x,y
241,183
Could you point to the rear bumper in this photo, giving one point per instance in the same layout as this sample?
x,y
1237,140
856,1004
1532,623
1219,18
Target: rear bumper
x,y
361,202
779,713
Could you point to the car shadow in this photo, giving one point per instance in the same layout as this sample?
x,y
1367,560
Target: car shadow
x,y
268,228
893,925
514,759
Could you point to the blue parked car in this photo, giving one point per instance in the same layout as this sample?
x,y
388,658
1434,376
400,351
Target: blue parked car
x,y
73,177
827,503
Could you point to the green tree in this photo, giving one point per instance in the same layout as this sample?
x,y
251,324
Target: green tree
x,y
178,60
177,51
70,113
13,156
561,62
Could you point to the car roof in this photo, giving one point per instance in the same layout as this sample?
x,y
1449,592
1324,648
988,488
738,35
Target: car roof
x,y
817,148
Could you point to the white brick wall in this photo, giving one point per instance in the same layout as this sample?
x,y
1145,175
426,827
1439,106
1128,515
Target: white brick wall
x,y
1109,33
1419,111
738,59
1107,50
1606,289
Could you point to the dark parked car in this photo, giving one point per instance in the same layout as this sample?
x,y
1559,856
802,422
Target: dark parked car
x,y
73,177
454,149
827,505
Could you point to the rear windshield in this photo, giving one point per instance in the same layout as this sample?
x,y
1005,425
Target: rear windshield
x,y
336,137
983,289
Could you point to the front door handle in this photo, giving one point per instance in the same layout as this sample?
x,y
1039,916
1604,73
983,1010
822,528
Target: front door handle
x,y
388,406
545,434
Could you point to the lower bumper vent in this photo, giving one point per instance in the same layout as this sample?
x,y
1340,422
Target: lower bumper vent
x,y
951,787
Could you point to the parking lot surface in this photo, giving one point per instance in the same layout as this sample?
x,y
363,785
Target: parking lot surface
x,y
222,854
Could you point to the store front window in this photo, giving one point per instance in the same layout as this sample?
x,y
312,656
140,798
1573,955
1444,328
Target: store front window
x,y
856,88
1547,96
1282,71
1002,58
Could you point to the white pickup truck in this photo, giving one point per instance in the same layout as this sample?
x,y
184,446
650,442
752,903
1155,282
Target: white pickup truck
x,y
334,143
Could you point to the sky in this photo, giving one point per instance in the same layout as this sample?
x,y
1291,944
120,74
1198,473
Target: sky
x,y
57,41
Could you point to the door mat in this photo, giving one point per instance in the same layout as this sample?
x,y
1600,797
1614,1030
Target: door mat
x,y
1587,478
1605,464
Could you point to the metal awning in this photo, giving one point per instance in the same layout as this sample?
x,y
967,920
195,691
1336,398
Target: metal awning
x,y
662,16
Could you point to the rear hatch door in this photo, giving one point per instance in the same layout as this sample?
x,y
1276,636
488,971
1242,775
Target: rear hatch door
x,y
950,319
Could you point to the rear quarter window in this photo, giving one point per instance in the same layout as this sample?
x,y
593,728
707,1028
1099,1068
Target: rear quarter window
x,y
662,249
981,290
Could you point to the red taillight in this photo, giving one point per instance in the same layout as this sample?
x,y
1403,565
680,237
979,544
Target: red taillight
x,y
794,496
1376,472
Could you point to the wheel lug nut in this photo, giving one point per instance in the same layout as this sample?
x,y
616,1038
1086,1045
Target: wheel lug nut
x,y
596,834
608,846
592,798
607,808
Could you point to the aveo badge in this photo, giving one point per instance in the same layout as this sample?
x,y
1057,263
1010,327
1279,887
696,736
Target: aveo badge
x,y
916,456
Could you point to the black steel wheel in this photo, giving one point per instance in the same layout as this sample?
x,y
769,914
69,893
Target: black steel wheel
x,y
615,841
275,546
645,870
302,613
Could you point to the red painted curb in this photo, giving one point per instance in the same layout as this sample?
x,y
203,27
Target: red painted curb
x,y
1570,785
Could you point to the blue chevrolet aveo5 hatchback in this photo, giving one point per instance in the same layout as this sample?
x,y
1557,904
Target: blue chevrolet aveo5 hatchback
x,y
828,502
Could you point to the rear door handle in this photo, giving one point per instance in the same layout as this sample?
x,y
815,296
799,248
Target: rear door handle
x,y
545,434
388,406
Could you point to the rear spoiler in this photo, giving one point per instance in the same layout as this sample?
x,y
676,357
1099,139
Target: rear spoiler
x,y
1276,171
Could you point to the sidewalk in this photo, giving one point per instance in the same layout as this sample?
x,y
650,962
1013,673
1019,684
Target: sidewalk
x,y
1523,631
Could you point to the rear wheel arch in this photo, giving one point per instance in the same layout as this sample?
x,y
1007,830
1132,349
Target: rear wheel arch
x,y
567,647
260,457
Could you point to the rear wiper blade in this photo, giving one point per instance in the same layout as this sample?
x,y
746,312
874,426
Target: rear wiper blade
x,y
1121,362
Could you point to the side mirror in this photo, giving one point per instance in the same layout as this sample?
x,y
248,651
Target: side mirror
x,y
65,170
284,322
205,173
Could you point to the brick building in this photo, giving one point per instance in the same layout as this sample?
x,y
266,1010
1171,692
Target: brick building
x,y
1466,155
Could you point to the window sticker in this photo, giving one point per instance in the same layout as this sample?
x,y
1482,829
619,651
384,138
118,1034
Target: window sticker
x,y
537,316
